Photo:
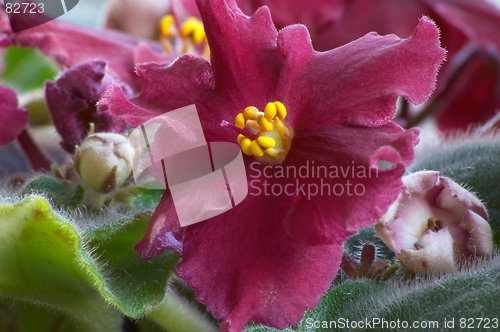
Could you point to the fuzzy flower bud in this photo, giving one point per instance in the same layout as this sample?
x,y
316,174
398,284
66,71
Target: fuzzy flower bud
x,y
103,161
436,226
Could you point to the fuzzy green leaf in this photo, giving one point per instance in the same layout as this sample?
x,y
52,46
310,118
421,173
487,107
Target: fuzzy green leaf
x,y
453,297
46,259
43,261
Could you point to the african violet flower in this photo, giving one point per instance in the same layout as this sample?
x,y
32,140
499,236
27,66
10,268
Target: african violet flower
x,y
465,97
272,257
436,226
12,118
72,99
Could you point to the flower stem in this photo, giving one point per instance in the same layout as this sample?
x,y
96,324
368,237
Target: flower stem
x,y
177,314
36,158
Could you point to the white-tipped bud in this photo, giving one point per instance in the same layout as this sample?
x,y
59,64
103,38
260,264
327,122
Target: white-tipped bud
x,y
104,161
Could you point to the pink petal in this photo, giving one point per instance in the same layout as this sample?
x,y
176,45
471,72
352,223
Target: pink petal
x,y
460,195
339,214
434,253
12,118
245,60
5,29
145,53
188,80
479,231
374,70
159,237
260,274
71,45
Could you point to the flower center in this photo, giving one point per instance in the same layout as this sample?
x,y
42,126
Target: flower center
x,y
434,224
268,136
191,34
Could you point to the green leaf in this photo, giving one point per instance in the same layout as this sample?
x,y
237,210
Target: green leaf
x,y
43,261
46,259
453,297
26,69
136,285
63,193
475,165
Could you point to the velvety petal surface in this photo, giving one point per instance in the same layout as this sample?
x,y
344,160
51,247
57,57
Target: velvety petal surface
x,y
71,45
72,98
356,190
244,267
374,69
315,14
245,61
12,118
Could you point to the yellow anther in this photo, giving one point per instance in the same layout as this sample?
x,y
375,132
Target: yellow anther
x,y
199,34
240,121
270,138
266,142
256,149
166,24
193,28
265,125
251,113
281,128
188,27
245,146
281,109
270,111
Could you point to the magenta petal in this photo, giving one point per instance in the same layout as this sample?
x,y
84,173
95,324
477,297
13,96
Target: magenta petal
x,y
72,98
12,118
361,193
374,69
244,267
188,80
144,53
71,45
245,60
159,236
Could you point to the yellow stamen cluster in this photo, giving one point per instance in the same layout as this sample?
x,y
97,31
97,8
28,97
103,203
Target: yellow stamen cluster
x,y
192,28
273,136
191,33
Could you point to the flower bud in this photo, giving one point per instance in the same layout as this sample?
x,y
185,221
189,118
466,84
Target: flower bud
x,y
436,226
104,161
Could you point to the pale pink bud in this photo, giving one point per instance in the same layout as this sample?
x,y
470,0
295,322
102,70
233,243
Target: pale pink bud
x,y
436,225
